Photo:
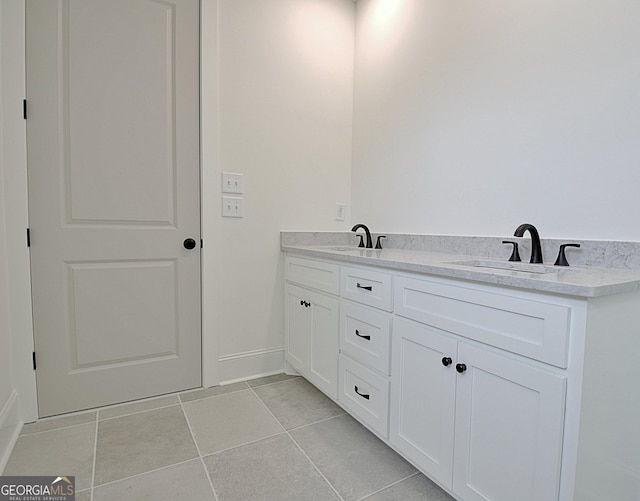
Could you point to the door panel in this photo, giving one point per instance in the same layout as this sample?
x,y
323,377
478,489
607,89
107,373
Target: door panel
x,y
297,328
140,124
509,428
323,362
113,155
145,327
423,397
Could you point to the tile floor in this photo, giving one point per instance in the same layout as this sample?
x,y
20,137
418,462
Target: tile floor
x,y
276,438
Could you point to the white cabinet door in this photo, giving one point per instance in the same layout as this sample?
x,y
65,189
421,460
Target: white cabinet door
x,y
509,428
323,370
297,328
423,397
311,336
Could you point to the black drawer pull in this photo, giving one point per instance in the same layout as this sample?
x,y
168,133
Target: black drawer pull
x,y
363,395
365,287
368,338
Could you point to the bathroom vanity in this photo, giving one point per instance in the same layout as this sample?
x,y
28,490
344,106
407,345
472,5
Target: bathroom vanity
x,y
497,383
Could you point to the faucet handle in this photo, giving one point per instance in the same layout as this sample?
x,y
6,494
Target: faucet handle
x,y
378,243
561,260
515,255
361,244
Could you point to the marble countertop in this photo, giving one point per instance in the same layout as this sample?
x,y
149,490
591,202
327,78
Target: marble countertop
x,y
580,281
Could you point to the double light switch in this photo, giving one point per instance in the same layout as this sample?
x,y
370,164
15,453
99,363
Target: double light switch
x,y
232,183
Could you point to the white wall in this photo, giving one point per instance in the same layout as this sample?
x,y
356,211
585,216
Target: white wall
x,y
12,413
472,117
285,119
6,378
16,337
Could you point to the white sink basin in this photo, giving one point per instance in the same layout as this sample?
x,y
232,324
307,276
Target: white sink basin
x,y
509,266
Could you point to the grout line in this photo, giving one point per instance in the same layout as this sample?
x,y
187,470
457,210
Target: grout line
x,y
300,448
318,421
33,434
273,382
210,396
95,456
193,437
388,486
140,412
316,468
111,482
244,443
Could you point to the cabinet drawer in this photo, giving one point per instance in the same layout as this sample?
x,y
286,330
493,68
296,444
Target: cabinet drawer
x,y
315,274
367,286
365,335
365,394
521,324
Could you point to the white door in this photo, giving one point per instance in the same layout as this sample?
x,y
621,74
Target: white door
x,y
113,155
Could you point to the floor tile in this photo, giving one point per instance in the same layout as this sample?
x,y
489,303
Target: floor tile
x,y
212,392
297,402
416,488
276,378
64,451
273,469
185,481
354,460
83,495
138,406
142,442
58,422
229,420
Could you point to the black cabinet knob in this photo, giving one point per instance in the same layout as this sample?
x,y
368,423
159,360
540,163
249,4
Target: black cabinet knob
x,y
446,361
461,368
189,244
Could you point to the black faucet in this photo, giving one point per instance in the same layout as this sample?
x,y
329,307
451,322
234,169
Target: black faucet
x,y
366,230
536,249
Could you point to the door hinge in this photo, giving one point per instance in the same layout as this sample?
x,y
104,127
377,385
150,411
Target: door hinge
x,y
24,109
28,237
201,244
34,360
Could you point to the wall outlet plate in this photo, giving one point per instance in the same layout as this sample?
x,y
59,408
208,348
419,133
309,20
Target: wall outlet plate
x,y
341,209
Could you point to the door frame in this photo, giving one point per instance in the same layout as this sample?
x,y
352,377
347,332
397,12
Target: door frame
x,y
13,15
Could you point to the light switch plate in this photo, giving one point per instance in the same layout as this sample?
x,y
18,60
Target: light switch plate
x,y
232,182
232,207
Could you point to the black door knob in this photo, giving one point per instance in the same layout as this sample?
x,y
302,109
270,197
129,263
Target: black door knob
x,y
189,244
446,361
461,368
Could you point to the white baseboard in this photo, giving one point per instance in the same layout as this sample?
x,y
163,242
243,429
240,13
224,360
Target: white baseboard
x,y
251,364
10,428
